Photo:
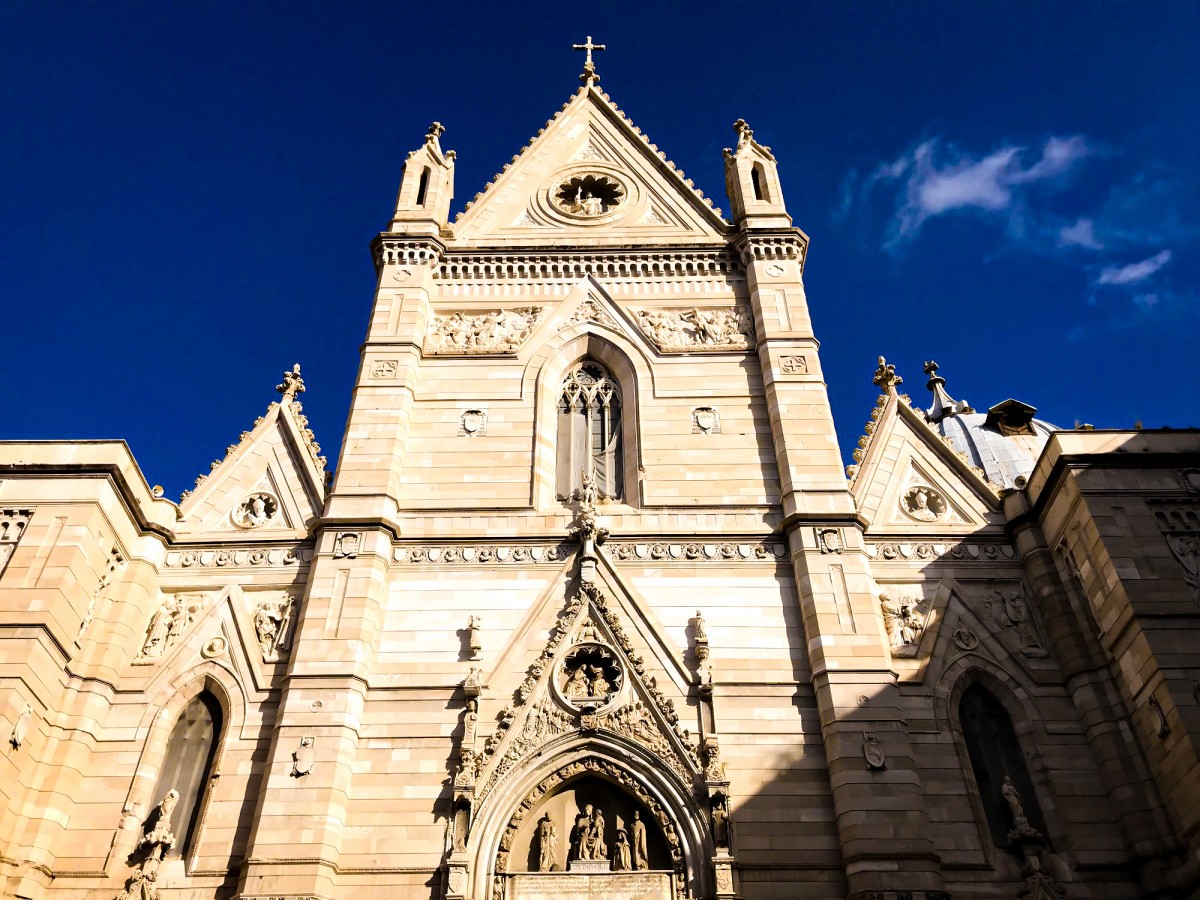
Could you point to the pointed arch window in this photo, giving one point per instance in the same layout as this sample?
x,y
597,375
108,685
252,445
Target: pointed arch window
x,y
187,767
996,754
589,432
756,181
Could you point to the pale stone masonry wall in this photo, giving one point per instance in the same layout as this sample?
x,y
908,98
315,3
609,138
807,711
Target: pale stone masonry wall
x,y
788,731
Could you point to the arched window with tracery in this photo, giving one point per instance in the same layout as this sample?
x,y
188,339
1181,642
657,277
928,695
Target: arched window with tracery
x,y
187,767
589,432
996,754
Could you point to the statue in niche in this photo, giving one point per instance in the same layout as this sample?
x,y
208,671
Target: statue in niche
x,y
1021,826
720,821
1018,615
600,685
474,642
622,858
579,834
641,859
547,838
577,685
597,848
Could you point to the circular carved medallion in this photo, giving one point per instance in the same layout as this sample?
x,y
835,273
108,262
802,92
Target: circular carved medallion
x,y
588,195
590,676
256,510
774,270
923,504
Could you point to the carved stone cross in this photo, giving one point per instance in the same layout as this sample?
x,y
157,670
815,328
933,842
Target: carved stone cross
x,y
589,75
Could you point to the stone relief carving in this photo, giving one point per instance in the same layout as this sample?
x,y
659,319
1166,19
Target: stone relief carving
x,y
722,552
520,553
587,837
115,562
612,773
272,618
142,882
588,195
214,647
1186,550
923,504
873,753
346,545
501,331
706,420
793,365
965,638
714,768
1009,612
253,557
589,311
829,540
168,624
21,727
255,511
904,618
473,683
474,641
683,330
547,844
473,423
897,550
385,368
304,757
13,523
591,676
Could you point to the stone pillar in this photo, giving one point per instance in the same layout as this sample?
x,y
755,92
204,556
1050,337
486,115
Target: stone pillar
x,y
875,785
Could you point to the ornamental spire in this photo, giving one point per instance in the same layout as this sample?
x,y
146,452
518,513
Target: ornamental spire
x,y
589,76
944,405
292,385
886,377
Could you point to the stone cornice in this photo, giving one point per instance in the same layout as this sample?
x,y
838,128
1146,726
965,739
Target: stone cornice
x,y
401,248
571,263
772,245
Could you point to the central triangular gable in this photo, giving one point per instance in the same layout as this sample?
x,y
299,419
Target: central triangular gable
x,y
590,137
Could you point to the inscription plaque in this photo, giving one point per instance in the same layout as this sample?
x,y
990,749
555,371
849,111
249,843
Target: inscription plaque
x,y
613,886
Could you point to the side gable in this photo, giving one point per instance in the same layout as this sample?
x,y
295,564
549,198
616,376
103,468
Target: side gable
x,y
529,202
270,484
909,480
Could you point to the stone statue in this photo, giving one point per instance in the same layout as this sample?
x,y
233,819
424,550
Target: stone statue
x,y
1013,798
580,847
720,822
159,629
577,685
622,860
597,848
470,722
547,838
600,685
901,619
701,631
160,838
268,619
640,857
474,643
21,727
303,757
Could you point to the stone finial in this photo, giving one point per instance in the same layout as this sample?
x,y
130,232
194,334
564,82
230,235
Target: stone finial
x,y
944,405
431,138
292,384
589,76
886,377
744,133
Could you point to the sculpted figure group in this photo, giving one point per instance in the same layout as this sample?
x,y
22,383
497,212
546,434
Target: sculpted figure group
x,y
171,620
588,842
724,329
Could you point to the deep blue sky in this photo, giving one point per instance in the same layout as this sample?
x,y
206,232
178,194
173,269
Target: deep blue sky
x,y
189,190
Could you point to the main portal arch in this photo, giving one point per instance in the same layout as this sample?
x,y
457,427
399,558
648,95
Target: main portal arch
x,y
612,773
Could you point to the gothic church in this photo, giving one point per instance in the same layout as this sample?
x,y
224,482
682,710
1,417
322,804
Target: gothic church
x,y
591,608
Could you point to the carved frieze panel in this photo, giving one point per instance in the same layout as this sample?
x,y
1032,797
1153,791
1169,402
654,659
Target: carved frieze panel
x,y
965,551
726,551
253,557
905,610
1180,527
168,624
471,554
467,334
273,613
1004,607
697,330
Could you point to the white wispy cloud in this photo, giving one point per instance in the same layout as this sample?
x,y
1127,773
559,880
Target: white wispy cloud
x,y
1080,234
940,179
1134,272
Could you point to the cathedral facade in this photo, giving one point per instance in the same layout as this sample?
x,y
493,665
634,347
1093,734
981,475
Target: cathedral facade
x,y
591,607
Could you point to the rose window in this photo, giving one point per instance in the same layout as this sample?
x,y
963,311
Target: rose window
x,y
588,195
